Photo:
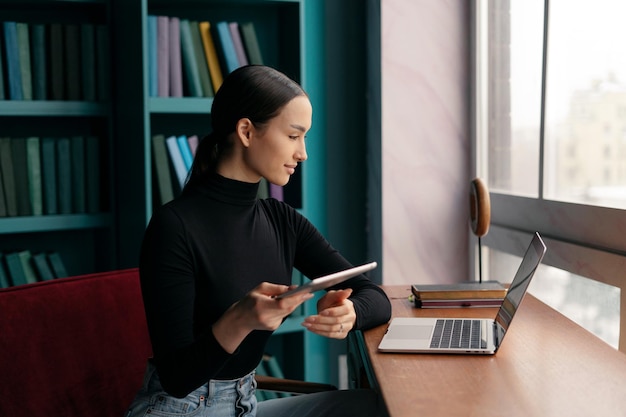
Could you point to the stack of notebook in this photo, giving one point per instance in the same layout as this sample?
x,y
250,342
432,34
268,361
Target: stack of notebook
x,y
464,294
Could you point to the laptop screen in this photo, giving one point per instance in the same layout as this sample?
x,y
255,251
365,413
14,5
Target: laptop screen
x,y
519,285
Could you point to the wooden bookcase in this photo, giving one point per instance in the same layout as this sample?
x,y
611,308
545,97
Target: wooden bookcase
x,y
289,36
85,240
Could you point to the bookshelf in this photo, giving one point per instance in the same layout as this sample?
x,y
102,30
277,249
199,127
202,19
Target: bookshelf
x,y
83,237
288,33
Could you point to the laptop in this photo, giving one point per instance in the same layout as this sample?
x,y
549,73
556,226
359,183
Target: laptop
x,y
464,335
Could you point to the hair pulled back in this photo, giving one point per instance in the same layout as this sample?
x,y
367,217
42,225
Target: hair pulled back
x,y
256,92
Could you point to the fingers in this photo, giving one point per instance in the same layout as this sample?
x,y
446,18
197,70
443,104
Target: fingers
x,y
334,322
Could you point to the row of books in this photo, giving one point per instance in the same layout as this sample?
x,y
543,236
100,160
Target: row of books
x,y
56,61
462,294
190,58
26,267
172,160
46,176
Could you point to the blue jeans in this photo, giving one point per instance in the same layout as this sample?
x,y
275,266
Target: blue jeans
x,y
232,398
236,398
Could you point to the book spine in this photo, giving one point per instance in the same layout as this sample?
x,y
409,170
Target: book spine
x,y
56,264
57,62
23,44
163,56
176,159
77,148
176,69
185,151
64,175
8,175
88,59
3,94
20,175
5,279
103,69
40,79
49,177
33,154
238,43
13,60
251,43
162,169
210,54
72,62
190,65
92,174
153,59
203,68
227,48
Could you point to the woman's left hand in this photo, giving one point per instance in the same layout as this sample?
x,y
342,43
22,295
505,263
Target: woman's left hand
x,y
336,315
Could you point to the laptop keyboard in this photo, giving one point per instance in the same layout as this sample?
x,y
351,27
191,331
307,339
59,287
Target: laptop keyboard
x,y
455,333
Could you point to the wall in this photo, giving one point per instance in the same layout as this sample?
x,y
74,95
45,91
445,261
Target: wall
x,y
425,146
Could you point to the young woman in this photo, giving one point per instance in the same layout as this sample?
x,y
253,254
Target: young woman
x,y
213,260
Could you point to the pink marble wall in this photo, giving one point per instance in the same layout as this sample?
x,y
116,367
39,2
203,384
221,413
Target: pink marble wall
x,y
425,140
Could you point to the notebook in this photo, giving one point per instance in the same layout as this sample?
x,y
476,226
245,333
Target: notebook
x,y
464,335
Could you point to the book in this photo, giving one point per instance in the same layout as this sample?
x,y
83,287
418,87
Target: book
x,y
185,151
88,60
103,69
203,68
190,65
210,54
42,267
56,62
49,175
161,169
276,191
8,176
72,62
176,159
33,161
476,303
3,203
56,264
64,175
163,56
20,174
40,75
226,47
23,45
20,267
238,43
490,289
5,279
12,55
193,142
77,157
153,56
92,174
251,43
176,66
2,76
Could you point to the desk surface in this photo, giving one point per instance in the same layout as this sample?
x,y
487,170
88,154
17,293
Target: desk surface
x,y
535,373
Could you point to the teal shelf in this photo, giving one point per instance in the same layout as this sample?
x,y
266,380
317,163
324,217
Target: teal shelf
x,y
31,108
184,105
31,224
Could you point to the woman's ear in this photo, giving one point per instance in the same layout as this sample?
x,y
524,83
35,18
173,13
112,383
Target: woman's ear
x,y
244,130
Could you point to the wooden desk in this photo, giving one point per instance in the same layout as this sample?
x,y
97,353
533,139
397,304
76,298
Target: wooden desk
x,y
569,372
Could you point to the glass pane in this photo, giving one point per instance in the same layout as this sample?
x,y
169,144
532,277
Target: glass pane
x,y
592,304
585,136
514,95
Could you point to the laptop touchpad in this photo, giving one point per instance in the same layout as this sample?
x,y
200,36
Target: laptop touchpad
x,y
410,332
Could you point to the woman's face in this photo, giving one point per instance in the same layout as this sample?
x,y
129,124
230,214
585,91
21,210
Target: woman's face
x,y
273,151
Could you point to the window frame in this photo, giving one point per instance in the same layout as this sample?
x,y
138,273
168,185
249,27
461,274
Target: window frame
x,y
582,239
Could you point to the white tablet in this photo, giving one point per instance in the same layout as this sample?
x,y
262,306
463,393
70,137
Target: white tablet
x,y
326,281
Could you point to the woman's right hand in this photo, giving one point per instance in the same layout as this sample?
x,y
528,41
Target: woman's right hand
x,y
257,310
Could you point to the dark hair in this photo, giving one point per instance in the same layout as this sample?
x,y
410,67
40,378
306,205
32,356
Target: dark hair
x,y
255,92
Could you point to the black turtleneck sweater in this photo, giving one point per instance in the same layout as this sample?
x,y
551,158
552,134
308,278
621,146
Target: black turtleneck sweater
x,y
204,251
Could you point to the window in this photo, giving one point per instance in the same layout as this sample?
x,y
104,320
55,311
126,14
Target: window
x,y
550,94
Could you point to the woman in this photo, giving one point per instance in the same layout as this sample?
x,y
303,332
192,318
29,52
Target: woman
x,y
213,260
